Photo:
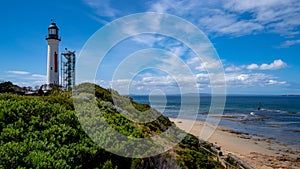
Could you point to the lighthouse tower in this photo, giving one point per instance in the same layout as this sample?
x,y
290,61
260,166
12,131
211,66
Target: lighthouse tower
x,y
52,59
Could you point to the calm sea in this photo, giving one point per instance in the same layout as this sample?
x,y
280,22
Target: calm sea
x,y
278,118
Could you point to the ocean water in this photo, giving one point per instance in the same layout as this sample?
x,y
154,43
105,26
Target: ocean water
x,y
278,118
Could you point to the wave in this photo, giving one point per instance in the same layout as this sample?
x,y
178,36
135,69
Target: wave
x,y
279,111
282,122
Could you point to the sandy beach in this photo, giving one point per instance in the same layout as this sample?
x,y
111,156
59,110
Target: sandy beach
x,y
257,151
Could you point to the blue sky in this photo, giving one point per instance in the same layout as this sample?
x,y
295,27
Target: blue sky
x,y
258,42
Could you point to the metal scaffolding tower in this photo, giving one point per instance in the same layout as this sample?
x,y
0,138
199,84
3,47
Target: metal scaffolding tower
x,y
67,69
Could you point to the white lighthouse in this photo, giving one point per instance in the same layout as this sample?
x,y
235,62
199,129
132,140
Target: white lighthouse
x,y
52,59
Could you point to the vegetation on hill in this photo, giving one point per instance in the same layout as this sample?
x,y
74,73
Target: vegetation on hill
x,y
44,132
9,87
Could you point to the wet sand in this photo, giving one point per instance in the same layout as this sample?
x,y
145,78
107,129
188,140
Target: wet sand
x,y
257,151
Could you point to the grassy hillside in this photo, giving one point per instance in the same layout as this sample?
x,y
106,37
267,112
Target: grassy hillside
x,y
44,132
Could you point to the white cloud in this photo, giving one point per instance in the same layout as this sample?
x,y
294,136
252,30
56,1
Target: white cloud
x,y
102,8
204,63
170,84
159,7
168,6
247,5
252,66
224,23
98,19
209,65
204,81
235,80
23,78
147,39
178,50
242,76
275,82
17,72
289,43
275,15
39,76
241,28
233,68
223,17
277,64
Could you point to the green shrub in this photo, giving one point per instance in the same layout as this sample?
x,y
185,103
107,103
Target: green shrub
x,y
44,132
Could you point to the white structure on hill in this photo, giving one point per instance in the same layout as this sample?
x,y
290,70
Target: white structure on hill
x,y
52,59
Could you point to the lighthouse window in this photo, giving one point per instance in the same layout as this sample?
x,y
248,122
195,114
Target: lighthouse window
x,y
52,31
51,68
55,62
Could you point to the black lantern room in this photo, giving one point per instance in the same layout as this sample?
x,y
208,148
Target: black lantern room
x,y
52,31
